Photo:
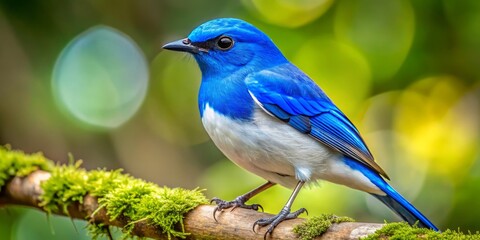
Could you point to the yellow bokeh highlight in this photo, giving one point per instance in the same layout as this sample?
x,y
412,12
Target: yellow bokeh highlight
x,y
288,13
440,127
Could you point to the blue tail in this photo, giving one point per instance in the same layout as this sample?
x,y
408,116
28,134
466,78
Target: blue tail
x,y
404,209
392,199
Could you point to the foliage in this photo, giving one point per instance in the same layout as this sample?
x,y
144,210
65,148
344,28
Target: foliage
x,y
316,226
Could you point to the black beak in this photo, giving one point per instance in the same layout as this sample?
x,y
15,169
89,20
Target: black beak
x,y
182,45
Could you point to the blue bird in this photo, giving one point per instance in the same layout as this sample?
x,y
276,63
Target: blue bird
x,y
271,119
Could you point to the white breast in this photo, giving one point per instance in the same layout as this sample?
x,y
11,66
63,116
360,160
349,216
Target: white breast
x,y
276,151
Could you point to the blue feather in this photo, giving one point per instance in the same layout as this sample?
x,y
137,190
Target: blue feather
x,y
277,112
392,199
219,98
301,123
301,103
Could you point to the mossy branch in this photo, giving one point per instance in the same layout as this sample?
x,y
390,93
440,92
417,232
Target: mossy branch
x,y
111,198
198,223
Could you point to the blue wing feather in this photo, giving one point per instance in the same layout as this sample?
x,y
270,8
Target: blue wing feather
x,y
277,111
288,94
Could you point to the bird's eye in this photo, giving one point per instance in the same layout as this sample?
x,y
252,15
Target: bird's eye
x,y
225,43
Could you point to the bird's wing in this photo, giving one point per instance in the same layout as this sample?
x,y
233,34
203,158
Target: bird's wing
x,y
288,94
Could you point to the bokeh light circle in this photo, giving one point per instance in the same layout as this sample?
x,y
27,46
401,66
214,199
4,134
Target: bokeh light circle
x,y
341,71
101,77
440,120
382,30
288,13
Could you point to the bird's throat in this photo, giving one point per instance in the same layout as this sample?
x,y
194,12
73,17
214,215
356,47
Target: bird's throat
x,y
232,99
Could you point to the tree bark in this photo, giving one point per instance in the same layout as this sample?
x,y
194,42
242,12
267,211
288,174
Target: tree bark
x,y
199,222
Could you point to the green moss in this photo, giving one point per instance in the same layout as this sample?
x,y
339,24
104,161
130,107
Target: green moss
x,y
67,184
120,194
16,163
401,230
141,201
98,230
316,226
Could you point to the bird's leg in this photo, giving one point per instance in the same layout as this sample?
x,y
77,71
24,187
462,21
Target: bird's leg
x,y
240,200
284,214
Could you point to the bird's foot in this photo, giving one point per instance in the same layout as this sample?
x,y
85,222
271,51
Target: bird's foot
x,y
238,202
272,222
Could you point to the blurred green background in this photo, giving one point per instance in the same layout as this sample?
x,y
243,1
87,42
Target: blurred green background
x,y
407,73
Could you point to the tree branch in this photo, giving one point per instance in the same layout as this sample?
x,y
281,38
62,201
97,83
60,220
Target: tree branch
x,y
199,222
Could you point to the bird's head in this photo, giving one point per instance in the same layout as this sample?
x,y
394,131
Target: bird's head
x,y
228,44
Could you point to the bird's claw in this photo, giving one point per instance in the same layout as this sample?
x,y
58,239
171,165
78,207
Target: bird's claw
x,y
272,222
252,206
238,202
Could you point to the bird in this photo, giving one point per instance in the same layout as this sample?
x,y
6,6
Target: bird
x,y
270,118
